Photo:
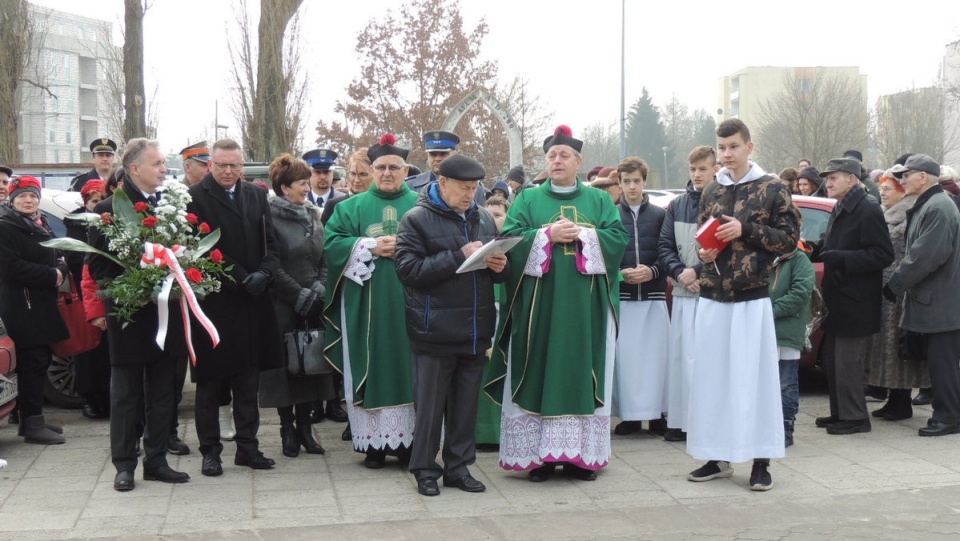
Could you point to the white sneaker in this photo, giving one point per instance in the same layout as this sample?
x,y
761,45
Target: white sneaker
x,y
227,431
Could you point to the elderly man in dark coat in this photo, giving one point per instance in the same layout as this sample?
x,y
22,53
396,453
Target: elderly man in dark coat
x,y
928,274
854,253
141,374
242,311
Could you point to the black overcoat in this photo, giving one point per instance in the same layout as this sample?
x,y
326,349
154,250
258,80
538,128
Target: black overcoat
x,y
247,325
135,343
28,282
851,289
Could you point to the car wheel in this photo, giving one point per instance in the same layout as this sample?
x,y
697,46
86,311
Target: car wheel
x,y
60,388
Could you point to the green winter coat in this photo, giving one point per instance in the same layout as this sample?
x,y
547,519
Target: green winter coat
x,y
791,285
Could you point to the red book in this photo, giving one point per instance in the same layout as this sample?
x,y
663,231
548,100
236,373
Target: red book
x,y
706,235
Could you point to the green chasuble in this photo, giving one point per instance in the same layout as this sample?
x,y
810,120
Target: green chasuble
x,y
556,325
378,349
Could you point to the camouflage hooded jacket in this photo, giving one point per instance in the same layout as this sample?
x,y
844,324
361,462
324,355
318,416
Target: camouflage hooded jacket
x,y
771,227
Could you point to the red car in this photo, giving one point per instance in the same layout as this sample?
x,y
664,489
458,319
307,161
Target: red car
x,y
8,374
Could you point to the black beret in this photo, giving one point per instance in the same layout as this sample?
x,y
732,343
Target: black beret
x,y
516,174
460,167
7,170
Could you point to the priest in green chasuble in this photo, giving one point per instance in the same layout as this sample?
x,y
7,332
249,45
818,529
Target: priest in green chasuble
x,y
366,338
553,356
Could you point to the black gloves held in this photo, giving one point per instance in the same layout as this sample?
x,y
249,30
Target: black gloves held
x,y
256,283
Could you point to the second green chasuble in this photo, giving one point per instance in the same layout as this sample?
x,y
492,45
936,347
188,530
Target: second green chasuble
x,y
378,350
555,325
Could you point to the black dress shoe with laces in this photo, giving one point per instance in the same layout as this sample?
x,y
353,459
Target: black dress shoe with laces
x,y
255,461
165,474
937,428
466,483
428,487
175,446
124,482
211,466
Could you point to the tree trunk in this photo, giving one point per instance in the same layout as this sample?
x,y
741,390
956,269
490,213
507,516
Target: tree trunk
x,y
15,34
270,107
134,124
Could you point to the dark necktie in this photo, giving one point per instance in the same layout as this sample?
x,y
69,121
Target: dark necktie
x,y
319,201
152,200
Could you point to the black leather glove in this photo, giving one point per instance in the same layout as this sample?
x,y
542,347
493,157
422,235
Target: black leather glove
x,y
316,308
889,294
832,257
256,283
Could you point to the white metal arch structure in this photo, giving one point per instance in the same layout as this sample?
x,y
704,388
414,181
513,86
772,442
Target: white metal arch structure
x,y
484,96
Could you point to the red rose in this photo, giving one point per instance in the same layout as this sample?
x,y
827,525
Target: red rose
x,y
140,207
150,221
194,275
191,218
106,218
216,256
204,228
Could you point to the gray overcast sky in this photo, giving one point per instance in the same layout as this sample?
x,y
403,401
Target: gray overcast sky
x,y
569,51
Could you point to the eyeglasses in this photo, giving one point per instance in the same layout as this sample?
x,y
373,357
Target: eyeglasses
x,y
233,166
392,168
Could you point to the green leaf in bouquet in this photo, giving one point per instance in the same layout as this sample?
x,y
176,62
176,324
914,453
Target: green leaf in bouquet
x,y
208,242
75,245
123,210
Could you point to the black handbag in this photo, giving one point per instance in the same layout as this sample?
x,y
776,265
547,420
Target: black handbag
x,y
304,351
912,346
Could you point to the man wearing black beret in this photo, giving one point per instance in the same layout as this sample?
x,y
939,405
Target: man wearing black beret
x,y
451,319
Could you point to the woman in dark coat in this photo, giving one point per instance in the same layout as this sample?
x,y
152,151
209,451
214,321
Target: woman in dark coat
x,y
298,294
93,367
30,276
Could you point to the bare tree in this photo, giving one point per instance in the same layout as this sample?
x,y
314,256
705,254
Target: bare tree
x,y
601,144
21,39
816,117
270,89
134,122
914,121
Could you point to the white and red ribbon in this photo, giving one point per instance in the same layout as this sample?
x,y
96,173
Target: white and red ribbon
x,y
159,256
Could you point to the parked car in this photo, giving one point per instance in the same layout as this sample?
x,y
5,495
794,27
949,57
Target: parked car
x,y
61,385
8,374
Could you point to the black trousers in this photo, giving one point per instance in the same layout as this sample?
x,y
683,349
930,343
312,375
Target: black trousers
x,y
445,393
181,379
943,361
246,415
32,364
140,391
843,361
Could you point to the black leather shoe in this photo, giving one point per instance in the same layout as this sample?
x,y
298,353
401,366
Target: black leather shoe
x,y
256,461
466,483
542,473
658,426
628,427
924,397
577,472
123,482
211,466
376,460
175,446
165,474
674,434
428,487
936,428
91,412
335,412
347,434
824,422
844,428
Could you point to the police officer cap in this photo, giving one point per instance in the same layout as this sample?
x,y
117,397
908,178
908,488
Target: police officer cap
x,y
440,141
320,159
103,145
460,167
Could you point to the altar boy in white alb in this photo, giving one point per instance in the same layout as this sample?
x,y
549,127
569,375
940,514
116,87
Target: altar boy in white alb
x,y
735,413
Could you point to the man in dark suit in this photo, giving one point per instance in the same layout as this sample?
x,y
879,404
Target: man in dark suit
x,y
242,311
104,151
854,253
143,376
321,161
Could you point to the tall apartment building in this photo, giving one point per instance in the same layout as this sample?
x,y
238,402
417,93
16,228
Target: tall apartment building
x,y
742,93
72,61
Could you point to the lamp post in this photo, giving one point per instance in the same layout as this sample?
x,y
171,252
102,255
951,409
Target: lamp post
x,y
665,182
623,113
